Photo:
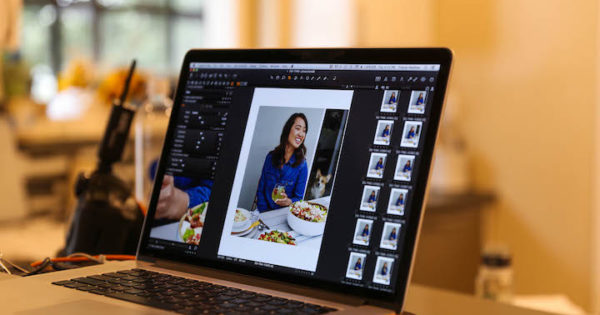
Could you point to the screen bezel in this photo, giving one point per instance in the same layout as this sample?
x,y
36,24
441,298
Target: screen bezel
x,y
441,56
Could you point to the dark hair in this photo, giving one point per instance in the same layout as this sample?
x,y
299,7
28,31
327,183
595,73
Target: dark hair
x,y
278,154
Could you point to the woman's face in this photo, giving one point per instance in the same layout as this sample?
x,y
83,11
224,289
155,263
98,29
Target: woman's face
x,y
297,133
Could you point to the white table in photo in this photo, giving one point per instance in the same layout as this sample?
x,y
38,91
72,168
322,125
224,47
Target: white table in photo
x,y
274,219
277,220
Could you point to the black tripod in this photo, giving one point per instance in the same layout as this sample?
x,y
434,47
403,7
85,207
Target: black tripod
x,y
107,219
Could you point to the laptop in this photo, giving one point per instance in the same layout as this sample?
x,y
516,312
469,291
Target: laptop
x,y
290,181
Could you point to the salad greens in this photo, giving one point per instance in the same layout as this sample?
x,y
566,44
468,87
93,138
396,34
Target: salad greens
x,y
188,234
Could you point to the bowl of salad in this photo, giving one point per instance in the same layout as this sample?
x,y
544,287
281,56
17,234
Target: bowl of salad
x,y
191,224
307,218
277,237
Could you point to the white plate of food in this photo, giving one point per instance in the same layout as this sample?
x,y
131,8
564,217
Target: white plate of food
x,y
277,236
307,218
191,224
242,220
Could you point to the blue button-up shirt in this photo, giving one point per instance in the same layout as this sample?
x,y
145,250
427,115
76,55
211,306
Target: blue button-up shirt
x,y
294,179
197,190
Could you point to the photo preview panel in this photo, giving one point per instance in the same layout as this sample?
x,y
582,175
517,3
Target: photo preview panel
x,y
280,196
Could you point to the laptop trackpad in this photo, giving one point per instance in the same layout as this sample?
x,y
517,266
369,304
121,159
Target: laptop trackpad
x,y
89,307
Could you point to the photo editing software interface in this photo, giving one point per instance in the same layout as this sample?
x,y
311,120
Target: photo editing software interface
x,y
305,169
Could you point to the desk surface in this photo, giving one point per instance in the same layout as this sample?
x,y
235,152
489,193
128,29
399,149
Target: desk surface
x,y
423,300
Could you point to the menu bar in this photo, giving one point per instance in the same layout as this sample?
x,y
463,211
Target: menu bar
x,y
317,66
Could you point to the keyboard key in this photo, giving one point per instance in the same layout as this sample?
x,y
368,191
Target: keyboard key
x,y
63,282
310,310
295,304
262,298
100,278
270,307
86,288
112,275
75,285
134,291
87,281
247,295
278,301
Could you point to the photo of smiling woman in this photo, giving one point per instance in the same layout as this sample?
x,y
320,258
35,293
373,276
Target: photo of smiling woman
x,y
284,173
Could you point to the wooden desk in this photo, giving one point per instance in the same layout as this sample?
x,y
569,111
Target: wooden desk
x,y
422,300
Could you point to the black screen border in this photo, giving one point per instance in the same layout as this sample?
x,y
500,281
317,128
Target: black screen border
x,y
441,56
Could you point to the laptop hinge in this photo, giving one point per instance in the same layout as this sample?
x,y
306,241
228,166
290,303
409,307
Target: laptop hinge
x,y
275,285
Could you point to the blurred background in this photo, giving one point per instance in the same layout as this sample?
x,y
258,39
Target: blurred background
x,y
517,168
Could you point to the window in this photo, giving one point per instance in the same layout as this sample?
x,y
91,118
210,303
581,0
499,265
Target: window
x,y
111,32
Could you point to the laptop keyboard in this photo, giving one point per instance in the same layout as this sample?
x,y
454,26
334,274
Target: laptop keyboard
x,y
186,296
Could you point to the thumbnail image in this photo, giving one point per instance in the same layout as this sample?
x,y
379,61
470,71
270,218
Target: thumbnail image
x,y
397,201
416,105
404,167
383,269
383,132
389,236
362,233
368,202
376,165
389,103
356,265
411,134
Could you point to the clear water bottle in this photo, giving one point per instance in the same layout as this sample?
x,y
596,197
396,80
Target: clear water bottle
x,y
495,278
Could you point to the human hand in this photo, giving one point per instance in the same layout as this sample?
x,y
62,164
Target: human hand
x,y
285,201
172,201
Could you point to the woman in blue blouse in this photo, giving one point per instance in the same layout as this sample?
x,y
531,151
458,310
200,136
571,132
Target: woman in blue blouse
x,y
372,197
365,231
400,200
386,131
285,165
420,99
411,133
392,236
407,167
379,164
384,269
358,265
392,99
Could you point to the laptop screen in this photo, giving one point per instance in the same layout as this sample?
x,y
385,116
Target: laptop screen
x,y
300,169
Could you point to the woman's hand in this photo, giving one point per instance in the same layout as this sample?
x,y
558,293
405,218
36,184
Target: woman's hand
x,y
172,201
285,201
